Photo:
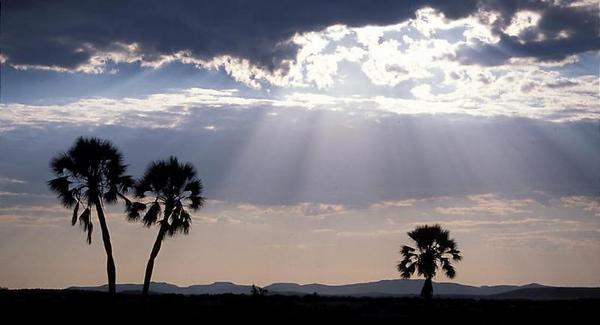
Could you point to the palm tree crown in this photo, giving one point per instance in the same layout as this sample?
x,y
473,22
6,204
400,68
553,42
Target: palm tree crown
x,y
434,249
90,173
173,188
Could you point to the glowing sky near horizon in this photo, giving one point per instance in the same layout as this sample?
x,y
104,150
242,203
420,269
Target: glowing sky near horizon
x,y
321,138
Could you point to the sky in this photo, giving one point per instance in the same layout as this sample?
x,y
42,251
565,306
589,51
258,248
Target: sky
x,y
323,131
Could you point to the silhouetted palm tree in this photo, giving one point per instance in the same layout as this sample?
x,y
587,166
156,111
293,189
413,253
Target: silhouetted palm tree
x,y
173,187
90,174
434,249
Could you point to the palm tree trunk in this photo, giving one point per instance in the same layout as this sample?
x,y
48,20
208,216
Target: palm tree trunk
x,y
153,254
427,291
110,262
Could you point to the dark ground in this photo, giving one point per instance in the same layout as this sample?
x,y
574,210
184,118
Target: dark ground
x,y
53,305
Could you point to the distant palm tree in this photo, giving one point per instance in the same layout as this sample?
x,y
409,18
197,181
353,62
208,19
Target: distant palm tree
x,y
434,249
90,174
173,187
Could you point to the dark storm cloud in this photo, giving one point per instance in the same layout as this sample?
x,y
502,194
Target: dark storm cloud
x,y
560,32
67,33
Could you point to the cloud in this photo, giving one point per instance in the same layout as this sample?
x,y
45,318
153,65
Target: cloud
x,y
576,102
551,34
489,204
71,35
217,219
254,40
421,91
323,230
394,204
165,110
319,209
34,215
306,209
5,193
461,224
409,67
8,180
371,234
547,240
587,203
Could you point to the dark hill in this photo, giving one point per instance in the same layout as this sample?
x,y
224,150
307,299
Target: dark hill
x,y
550,293
383,288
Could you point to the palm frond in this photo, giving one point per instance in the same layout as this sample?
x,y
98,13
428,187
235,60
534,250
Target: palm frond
x,y
448,268
61,163
140,188
407,268
194,187
111,195
456,255
181,223
196,202
152,215
186,221
174,221
407,251
75,215
85,221
125,183
133,210
61,186
125,199
89,233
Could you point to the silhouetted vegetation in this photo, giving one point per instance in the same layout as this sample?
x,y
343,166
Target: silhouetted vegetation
x,y
434,249
257,291
90,174
56,305
172,188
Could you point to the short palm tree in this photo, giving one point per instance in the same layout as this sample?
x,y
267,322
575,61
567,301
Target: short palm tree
x,y
90,174
434,249
172,187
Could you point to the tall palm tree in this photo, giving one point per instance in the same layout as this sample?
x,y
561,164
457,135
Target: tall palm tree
x,y
434,249
172,187
90,174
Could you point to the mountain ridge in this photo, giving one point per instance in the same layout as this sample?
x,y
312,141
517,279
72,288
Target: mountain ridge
x,y
381,288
